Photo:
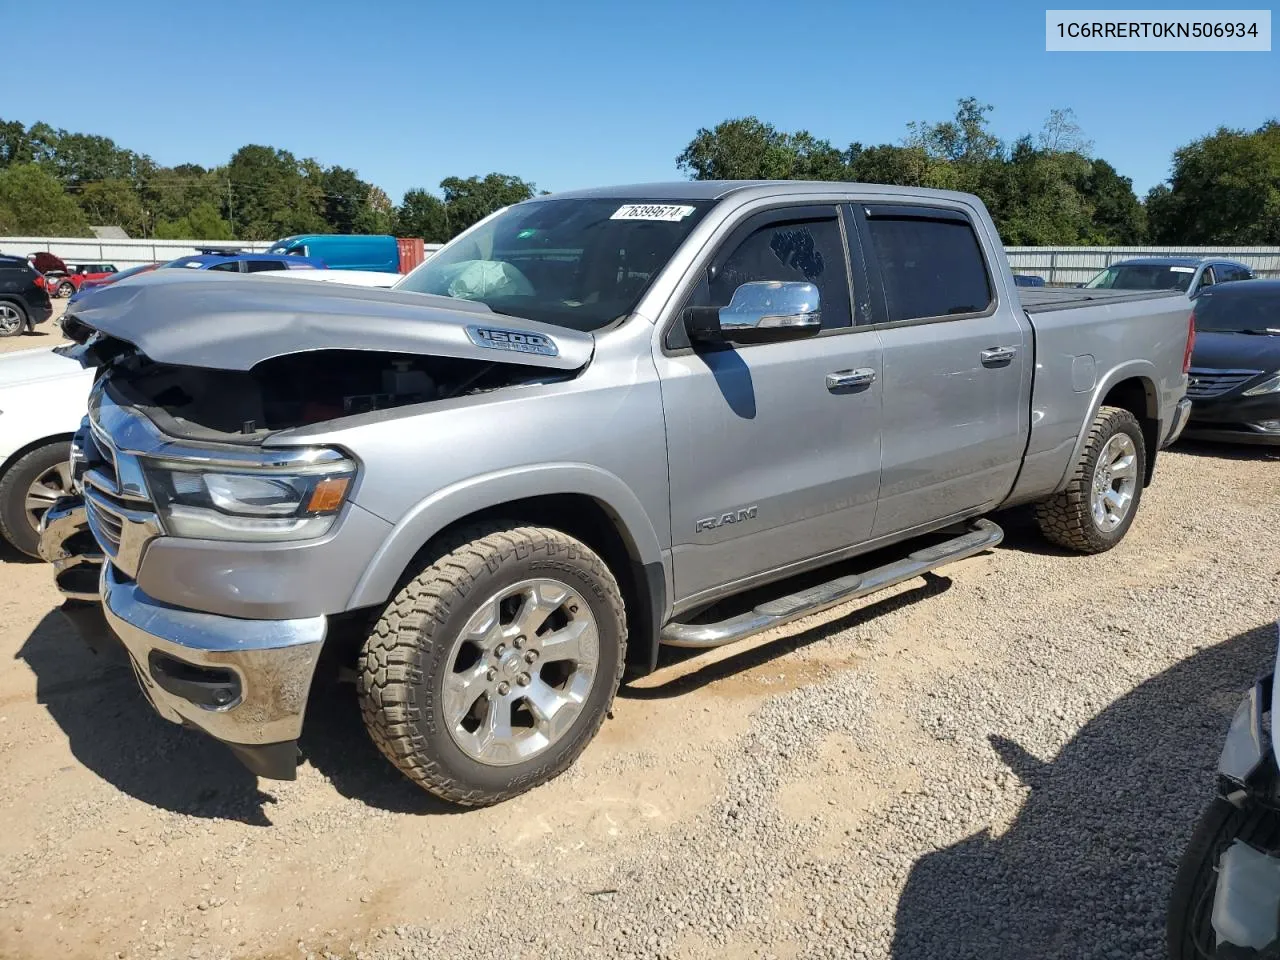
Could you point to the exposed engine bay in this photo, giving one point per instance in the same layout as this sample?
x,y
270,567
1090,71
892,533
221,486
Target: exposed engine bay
x,y
295,390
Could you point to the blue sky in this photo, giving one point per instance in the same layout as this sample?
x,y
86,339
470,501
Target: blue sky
x,y
578,93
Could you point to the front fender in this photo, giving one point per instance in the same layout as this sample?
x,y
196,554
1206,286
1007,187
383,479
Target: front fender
x,y
485,491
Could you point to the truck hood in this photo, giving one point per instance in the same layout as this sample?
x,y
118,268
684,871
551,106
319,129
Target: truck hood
x,y
1236,351
220,322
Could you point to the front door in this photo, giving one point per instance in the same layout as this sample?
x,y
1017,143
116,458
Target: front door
x,y
774,454
957,362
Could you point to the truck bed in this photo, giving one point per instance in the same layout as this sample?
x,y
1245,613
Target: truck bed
x,y
1044,299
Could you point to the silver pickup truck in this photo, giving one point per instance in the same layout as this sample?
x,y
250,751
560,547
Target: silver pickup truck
x,y
586,428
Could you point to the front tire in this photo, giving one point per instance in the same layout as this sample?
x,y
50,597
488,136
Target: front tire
x,y
493,668
28,488
1189,926
1101,499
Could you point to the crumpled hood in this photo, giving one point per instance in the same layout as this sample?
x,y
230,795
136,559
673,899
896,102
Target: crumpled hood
x,y
206,319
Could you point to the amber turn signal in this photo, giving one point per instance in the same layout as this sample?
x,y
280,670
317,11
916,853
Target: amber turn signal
x,y
328,495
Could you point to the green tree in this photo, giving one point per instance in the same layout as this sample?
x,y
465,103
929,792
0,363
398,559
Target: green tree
x,y
270,196
15,144
747,148
203,223
422,214
471,200
1225,189
114,203
34,203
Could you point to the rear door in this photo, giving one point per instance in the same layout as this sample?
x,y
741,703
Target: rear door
x,y
956,369
773,451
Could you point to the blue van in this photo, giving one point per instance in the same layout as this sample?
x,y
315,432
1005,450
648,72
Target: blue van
x,y
344,251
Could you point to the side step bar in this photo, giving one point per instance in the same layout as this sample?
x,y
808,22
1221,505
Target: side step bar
x,y
981,535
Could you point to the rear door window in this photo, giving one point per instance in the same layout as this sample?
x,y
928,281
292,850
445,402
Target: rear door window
x,y
261,266
231,266
930,262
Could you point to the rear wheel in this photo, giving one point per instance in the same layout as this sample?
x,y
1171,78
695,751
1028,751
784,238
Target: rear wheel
x,y
1101,499
495,666
13,319
28,488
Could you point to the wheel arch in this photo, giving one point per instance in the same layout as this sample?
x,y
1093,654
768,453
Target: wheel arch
x,y
22,451
585,502
1132,387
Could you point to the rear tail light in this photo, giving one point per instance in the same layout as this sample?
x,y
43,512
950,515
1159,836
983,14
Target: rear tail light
x,y
1191,342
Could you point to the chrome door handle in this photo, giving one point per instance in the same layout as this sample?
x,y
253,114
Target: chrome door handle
x,y
849,379
996,356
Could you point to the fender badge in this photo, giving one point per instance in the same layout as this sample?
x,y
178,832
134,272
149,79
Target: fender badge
x,y
497,338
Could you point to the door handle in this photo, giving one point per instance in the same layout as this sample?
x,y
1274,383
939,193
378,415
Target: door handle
x,y
997,356
851,379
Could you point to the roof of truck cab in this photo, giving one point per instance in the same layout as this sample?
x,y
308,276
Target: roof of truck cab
x,y
1173,261
719,189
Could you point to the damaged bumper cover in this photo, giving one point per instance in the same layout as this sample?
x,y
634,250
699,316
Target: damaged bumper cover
x,y
243,682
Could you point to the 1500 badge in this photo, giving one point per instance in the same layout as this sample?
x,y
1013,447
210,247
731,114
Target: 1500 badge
x,y
733,516
497,338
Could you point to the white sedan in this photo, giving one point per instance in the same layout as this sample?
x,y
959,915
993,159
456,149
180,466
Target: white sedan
x,y
42,400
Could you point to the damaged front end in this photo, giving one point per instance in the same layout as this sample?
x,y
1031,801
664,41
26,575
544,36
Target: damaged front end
x,y
211,546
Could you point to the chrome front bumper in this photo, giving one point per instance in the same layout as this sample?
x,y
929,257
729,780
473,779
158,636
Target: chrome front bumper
x,y
244,682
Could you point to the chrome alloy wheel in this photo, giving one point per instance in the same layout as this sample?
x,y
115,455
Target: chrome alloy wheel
x,y
1114,481
10,320
44,490
520,671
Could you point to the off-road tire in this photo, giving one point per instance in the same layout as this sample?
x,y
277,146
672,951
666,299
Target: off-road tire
x,y
1191,901
14,483
401,664
1066,518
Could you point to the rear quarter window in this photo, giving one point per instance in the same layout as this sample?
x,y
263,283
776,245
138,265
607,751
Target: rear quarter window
x,y
929,266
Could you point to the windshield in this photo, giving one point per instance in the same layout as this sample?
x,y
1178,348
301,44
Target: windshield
x,y
575,263
1238,309
1143,276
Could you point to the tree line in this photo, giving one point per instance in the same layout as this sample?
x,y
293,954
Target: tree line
x,y
1046,189
56,183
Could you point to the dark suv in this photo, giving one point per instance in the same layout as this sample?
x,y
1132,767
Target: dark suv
x,y
23,302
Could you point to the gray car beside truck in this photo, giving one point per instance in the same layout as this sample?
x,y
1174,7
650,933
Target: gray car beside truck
x,y
594,424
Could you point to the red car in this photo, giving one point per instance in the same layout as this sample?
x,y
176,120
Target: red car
x,y
78,274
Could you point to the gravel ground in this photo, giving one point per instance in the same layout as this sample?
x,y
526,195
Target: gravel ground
x,y
1002,761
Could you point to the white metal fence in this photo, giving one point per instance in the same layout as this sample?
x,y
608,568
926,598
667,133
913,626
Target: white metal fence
x,y
1058,265
1066,265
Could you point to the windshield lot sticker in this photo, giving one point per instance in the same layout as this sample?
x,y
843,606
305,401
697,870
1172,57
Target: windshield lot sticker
x,y
666,212
1182,269
518,341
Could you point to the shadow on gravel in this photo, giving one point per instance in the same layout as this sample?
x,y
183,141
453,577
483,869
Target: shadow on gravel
x,y
1086,868
334,741
114,732
9,555
933,586
1022,534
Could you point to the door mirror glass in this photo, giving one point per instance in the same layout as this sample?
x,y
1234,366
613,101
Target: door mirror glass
x,y
759,312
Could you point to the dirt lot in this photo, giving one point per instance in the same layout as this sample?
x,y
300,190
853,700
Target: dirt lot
x,y
47,334
1004,761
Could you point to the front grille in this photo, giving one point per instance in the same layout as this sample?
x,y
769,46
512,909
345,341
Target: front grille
x,y
101,456
1206,384
107,527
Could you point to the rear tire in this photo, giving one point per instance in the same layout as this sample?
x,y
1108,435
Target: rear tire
x,y
493,668
36,478
1189,926
13,319
1101,499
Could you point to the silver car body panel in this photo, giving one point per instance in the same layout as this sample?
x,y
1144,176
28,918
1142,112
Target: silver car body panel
x,y
235,323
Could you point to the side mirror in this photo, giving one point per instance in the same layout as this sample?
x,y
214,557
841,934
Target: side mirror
x,y
763,311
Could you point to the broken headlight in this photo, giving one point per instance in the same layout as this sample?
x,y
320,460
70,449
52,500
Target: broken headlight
x,y
248,503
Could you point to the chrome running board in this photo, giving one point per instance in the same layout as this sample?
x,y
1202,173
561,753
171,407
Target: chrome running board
x,y
981,535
